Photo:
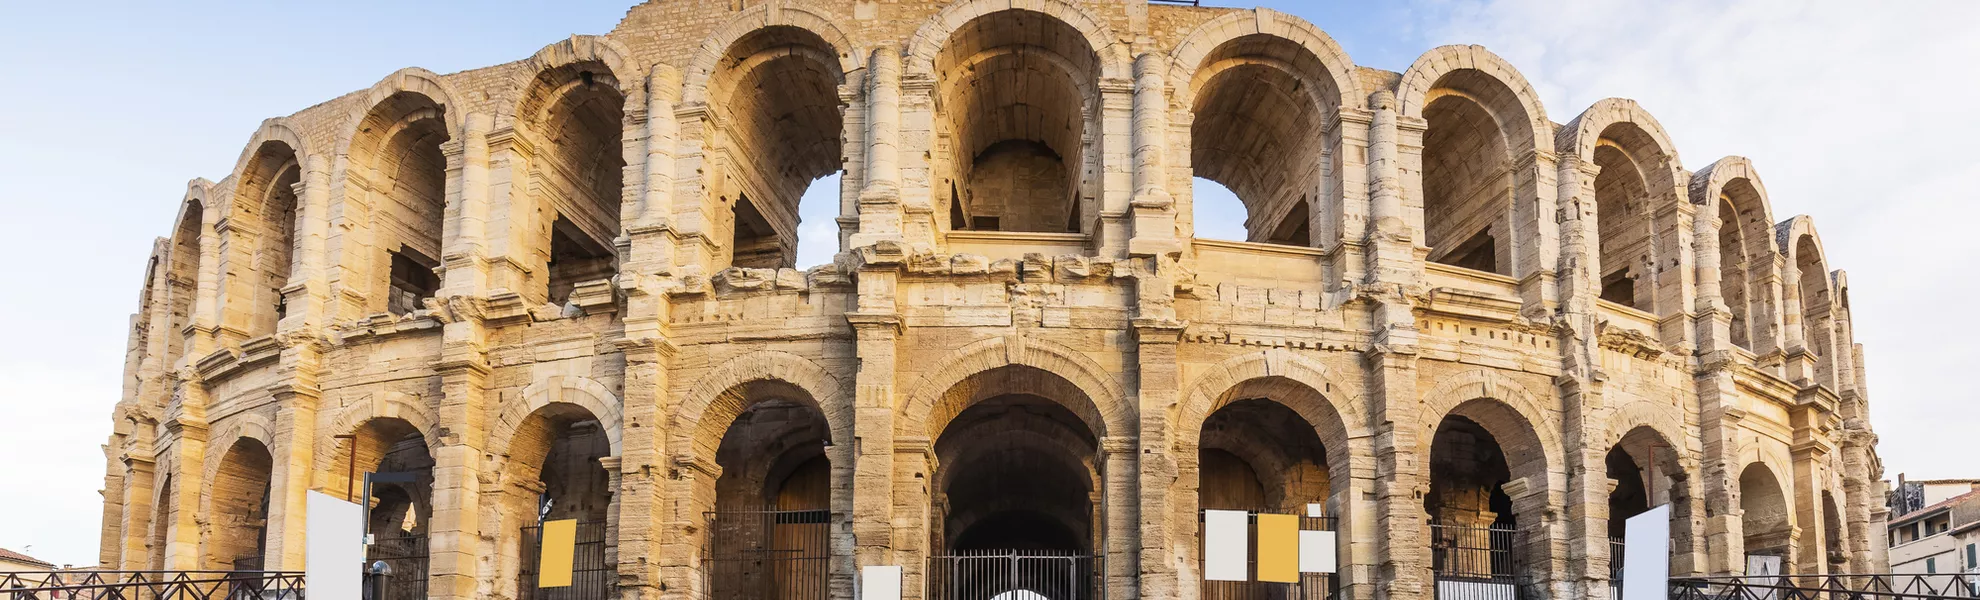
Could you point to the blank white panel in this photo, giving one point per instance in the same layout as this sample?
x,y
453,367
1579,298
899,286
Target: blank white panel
x,y
880,583
1226,545
1317,552
1646,555
334,560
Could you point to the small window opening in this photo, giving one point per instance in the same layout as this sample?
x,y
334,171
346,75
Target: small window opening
x,y
1480,253
957,220
413,281
1620,288
574,258
1296,228
985,224
756,243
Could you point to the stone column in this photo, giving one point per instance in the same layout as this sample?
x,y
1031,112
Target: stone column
x,y
1536,233
1122,513
138,510
1152,212
1806,494
880,199
1158,386
294,454
884,507
1388,239
186,522
454,544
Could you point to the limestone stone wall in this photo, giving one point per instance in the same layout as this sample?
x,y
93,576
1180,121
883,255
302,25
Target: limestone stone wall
x,y
562,287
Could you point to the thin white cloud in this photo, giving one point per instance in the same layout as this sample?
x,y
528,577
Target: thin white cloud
x,y
1854,113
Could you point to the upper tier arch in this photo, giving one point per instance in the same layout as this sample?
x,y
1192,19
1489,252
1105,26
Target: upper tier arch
x,y
920,53
818,21
412,80
1188,57
1527,129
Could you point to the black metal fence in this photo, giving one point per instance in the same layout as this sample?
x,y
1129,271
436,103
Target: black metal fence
x,y
1014,575
1476,563
591,577
1311,586
406,555
769,555
151,585
1828,587
1615,568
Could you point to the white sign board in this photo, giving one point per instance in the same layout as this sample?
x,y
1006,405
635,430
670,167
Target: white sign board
x,y
334,564
1226,545
1646,556
880,583
1316,552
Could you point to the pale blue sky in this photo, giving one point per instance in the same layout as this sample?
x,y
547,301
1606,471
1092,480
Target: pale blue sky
x,y
107,109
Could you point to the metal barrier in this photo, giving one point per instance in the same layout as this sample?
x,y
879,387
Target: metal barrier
x,y
1828,587
151,585
405,555
1476,563
591,577
769,555
1311,586
1014,575
1615,568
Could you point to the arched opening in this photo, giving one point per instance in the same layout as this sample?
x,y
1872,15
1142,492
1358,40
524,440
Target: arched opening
x,y
1486,471
1476,125
818,222
554,474
161,525
182,278
777,100
1261,112
238,510
1835,547
577,109
1816,319
1765,518
1017,489
400,504
1260,456
771,524
267,193
1625,227
1216,212
401,177
1646,472
1013,112
1743,240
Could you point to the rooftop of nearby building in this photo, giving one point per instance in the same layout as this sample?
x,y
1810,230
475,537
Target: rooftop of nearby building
x,y
16,557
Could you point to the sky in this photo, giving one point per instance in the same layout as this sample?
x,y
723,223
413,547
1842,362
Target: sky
x,y
1851,111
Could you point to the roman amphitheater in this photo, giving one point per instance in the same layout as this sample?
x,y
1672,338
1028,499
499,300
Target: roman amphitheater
x,y
1465,334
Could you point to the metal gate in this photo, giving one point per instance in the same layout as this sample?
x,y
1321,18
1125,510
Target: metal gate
x,y
1475,563
591,577
406,555
1311,586
769,555
1014,575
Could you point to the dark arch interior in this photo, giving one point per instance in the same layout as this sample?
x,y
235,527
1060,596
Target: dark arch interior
x,y
1259,130
1623,227
580,171
240,507
268,187
575,484
1015,110
1016,473
1468,470
1257,454
1764,511
1468,172
1631,496
779,92
398,151
771,526
182,278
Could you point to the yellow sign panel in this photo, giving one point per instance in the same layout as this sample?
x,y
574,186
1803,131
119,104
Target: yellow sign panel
x,y
1278,548
555,554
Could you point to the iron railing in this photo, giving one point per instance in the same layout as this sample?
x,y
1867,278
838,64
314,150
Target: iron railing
x,y
1015,575
769,555
406,555
1615,568
1311,586
1827,587
151,585
591,577
1476,563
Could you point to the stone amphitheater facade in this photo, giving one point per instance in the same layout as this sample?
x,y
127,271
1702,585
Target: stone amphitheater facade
x,y
562,288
